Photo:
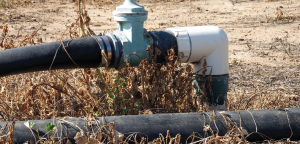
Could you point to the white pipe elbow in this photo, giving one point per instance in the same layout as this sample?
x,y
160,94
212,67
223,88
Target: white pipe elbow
x,y
196,43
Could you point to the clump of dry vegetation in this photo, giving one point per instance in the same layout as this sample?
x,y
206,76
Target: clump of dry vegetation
x,y
148,88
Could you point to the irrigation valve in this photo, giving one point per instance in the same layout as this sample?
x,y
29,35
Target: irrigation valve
x,y
195,43
130,17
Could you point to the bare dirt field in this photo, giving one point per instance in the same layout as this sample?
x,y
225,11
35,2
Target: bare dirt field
x,y
264,42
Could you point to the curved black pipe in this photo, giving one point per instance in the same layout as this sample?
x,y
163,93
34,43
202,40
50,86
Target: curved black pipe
x,y
275,124
85,52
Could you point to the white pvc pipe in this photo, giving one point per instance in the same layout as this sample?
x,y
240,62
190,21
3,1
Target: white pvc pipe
x,y
203,41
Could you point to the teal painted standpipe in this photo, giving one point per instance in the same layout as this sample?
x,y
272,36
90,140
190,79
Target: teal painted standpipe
x,y
131,17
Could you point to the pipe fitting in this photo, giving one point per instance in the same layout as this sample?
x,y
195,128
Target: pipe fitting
x,y
210,42
203,41
117,50
130,17
105,44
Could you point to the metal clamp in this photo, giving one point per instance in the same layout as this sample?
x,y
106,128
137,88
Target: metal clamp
x,y
107,47
118,50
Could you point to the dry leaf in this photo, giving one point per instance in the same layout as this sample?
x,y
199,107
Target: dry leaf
x,y
10,134
80,138
281,87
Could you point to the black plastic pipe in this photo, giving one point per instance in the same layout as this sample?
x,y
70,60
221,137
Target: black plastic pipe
x,y
163,41
274,124
85,52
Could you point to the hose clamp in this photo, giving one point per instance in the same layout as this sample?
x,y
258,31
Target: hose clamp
x,y
107,49
117,49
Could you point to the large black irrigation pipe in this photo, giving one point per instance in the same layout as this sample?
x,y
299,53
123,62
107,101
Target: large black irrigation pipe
x,y
85,52
75,53
274,124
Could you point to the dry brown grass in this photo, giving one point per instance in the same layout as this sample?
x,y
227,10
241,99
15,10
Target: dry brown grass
x,y
148,88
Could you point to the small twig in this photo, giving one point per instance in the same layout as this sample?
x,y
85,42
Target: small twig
x,y
240,118
260,134
253,120
81,130
3,128
31,36
106,87
56,53
80,20
287,116
18,33
64,47
247,102
41,139
32,134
